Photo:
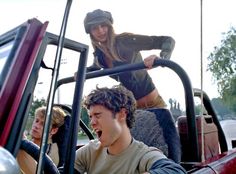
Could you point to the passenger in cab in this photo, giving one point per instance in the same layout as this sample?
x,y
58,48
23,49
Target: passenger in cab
x,y
57,121
113,50
111,112
26,162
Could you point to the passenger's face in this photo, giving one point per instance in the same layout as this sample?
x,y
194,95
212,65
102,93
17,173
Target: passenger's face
x,y
107,128
100,32
37,127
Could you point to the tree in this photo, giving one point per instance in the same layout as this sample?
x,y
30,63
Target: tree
x,y
223,67
219,107
175,108
85,117
36,104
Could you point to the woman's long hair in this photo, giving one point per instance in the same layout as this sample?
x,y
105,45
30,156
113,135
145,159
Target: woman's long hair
x,y
109,49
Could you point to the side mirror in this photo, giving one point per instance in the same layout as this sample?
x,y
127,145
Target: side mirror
x,y
8,164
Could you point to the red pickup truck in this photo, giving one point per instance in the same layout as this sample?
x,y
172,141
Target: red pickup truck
x,y
203,147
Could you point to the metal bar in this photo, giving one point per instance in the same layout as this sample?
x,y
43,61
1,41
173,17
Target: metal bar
x,y
75,116
189,100
52,91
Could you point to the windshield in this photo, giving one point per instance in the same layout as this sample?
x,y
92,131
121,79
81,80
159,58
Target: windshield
x,y
5,50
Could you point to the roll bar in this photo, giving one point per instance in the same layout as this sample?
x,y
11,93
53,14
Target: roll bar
x,y
189,99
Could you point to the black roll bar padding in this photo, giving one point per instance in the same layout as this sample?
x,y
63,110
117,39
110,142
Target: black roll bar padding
x,y
53,39
76,110
83,126
189,100
211,111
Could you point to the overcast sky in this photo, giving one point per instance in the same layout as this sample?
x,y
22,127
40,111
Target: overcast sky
x,y
179,19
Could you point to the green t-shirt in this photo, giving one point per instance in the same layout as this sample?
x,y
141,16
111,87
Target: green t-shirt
x,y
137,158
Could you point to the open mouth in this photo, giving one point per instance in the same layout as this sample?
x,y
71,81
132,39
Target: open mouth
x,y
99,134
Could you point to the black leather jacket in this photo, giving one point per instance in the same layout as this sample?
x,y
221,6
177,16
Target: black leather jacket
x,y
128,47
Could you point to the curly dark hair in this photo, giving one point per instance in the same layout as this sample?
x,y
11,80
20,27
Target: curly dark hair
x,y
114,99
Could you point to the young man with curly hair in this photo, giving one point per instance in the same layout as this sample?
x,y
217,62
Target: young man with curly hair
x,y
111,112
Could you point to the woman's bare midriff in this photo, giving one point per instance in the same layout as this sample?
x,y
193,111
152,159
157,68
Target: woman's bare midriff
x,y
153,99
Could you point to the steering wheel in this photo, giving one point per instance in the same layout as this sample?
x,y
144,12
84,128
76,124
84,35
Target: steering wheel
x,y
33,150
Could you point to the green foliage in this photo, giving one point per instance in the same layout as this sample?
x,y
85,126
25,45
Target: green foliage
x,y
223,67
36,104
198,109
85,117
229,95
220,107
